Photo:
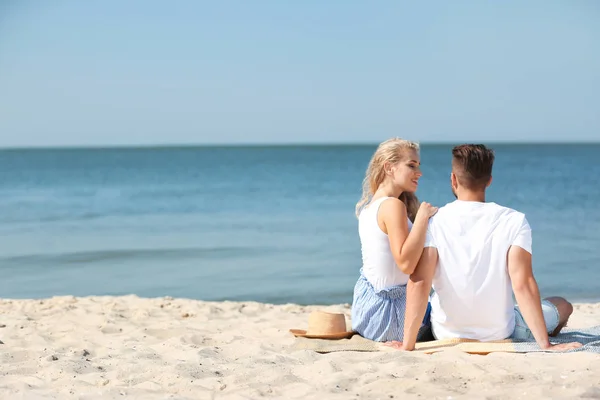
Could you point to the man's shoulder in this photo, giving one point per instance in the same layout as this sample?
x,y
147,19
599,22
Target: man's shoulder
x,y
495,211
508,212
442,212
445,208
444,216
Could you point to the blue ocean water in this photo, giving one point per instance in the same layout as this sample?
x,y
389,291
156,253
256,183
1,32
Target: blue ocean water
x,y
271,224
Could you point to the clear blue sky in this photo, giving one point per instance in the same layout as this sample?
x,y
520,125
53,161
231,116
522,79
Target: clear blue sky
x,y
114,72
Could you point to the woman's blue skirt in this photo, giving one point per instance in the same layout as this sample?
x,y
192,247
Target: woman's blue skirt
x,y
379,315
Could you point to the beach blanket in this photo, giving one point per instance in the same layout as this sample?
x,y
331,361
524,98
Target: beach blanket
x,y
590,338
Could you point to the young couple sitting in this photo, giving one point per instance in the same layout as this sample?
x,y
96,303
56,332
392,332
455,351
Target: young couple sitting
x,y
474,254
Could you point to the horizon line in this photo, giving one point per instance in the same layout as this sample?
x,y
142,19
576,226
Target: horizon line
x,y
271,144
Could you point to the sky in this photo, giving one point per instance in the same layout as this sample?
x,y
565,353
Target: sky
x,y
149,72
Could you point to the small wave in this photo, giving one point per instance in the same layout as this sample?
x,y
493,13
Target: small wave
x,y
37,219
87,257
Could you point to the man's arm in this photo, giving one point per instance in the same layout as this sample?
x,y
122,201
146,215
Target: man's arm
x,y
417,296
528,298
527,293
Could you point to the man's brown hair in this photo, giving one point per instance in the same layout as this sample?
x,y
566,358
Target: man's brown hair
x,y
472,164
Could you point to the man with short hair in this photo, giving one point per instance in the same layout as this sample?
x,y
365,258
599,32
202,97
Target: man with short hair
x,y
477,254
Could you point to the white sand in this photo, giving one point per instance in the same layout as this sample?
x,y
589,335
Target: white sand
x,y
127,347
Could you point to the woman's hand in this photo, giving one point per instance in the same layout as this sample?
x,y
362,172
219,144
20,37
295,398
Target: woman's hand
x,y
426,211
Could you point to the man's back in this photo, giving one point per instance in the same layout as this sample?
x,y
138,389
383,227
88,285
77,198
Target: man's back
x,y
473,294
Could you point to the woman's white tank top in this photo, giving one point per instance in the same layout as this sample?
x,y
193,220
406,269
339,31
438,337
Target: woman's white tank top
x,y
379,266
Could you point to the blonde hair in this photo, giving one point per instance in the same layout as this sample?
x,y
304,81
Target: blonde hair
x,y
391,151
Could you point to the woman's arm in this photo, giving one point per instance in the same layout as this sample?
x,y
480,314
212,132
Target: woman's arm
x,y
417,296
406,247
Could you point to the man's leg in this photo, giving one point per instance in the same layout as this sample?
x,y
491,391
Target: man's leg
x,y
565,309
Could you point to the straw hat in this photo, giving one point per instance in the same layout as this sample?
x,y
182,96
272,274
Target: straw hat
x,y
324,325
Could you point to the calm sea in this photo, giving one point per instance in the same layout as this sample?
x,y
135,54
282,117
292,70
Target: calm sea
x,y
271,224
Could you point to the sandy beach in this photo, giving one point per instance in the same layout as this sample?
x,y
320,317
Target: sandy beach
x,y
164,348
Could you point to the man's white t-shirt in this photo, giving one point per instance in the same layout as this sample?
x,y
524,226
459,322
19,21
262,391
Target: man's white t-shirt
x,y
473,293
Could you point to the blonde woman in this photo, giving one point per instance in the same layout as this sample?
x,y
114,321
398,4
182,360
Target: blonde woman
x,y
392,227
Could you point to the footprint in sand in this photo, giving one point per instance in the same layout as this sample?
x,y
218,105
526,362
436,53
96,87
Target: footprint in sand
x,y
165,333
110,329
198,340
16,356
